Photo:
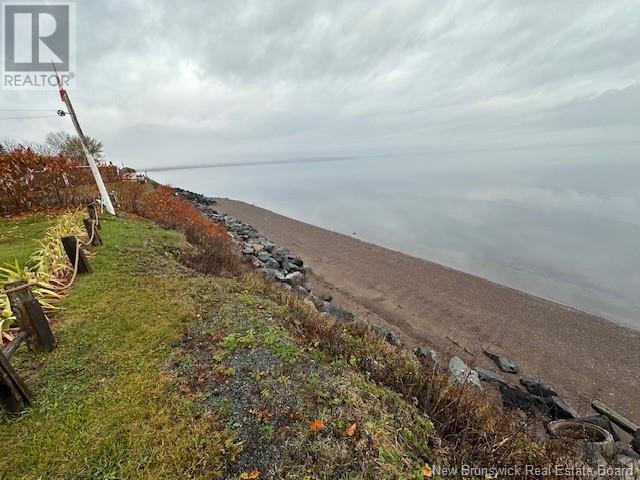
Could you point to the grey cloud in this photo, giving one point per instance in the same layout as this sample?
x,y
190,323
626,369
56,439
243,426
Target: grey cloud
x,y
158,79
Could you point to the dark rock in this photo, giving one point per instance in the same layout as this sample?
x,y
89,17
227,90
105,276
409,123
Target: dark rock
x,y
538,387
280,254
339,313
295,260
295,278
505,364
516,398
601,421
292,267
490,376
388,336
462,373
264,256
271,263
327,297
274,274
425,353
561,409
552,407
636,441
307,286
627,451
268,246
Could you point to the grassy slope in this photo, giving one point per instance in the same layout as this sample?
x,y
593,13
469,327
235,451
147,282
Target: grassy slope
x,y
164,373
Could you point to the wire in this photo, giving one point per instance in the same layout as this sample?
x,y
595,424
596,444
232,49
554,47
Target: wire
x,y
32,116
25,109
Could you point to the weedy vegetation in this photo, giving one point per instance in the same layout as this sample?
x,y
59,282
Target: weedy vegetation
x,y
47,269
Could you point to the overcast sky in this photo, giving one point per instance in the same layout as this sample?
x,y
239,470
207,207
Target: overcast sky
x,y
166,82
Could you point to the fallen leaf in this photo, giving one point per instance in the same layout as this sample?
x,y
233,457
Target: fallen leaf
x,y
250,475
351,430
426,471
316,425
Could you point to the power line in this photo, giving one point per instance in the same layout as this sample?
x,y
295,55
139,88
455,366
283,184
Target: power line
x,y
28,117
26,109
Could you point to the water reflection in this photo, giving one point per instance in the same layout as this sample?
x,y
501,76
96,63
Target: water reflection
x,y
568,232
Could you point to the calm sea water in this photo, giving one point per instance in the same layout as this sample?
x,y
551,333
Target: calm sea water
x,y
564,229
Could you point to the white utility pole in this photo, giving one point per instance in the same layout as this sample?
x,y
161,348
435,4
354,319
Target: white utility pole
x,y
106,201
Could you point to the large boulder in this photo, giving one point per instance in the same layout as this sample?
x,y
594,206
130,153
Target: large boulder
x,y
552,407
561,409
271,263
274,274
505,364
269,246
295,260
462,373
636,441
294,279
280,254
515,398
263,256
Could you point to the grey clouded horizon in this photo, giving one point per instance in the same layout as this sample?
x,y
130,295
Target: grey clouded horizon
x,y
165,83
497,137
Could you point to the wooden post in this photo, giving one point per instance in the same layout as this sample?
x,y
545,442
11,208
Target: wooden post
x,y
30,316
624,423
14,394
93,233
72,248
10,348
93,214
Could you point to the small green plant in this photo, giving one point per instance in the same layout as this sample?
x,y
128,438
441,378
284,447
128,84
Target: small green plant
x,y
47,270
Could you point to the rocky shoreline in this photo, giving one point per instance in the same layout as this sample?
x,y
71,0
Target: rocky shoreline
x,y
290,271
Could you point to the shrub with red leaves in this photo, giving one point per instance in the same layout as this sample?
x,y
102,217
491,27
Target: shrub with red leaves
x,y
164,207
32,181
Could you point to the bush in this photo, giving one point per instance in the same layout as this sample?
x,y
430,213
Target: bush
x,y
213,253
34,181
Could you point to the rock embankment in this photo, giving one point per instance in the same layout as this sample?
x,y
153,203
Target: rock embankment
x,y
279,264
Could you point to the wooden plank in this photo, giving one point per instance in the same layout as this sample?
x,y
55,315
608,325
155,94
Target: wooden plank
x,y
624,423
30,316
10,348
14,394
70,245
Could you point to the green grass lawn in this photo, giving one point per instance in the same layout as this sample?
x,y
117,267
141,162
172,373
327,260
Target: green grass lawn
x,y
161,372
105,404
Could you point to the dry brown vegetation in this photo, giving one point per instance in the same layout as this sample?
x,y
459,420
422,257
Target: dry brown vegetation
x,y
474,430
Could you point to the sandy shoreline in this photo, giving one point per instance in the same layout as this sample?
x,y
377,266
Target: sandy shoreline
x,y
585,357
